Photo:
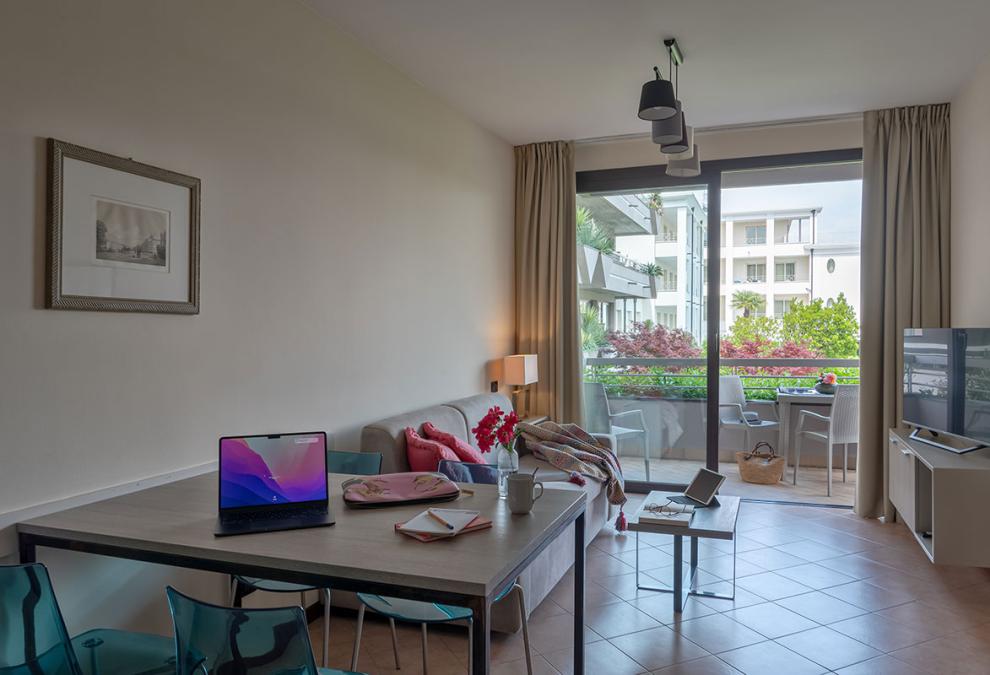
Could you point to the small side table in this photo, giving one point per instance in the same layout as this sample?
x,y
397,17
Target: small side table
x,y
708,522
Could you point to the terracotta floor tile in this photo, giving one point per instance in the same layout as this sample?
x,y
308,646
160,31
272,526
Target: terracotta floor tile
x,y
868,596
661,608
710,665
770,657
599,657
880,633
658,647
618,619
815,576
811,551
718,633
771,559
743,598
771,586
774,536
820,607
857,566
882,665
943,656
540,667
937,622
771,620
556,633
828,648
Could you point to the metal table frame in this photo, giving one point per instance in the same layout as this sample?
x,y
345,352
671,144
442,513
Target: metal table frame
x,y
680,594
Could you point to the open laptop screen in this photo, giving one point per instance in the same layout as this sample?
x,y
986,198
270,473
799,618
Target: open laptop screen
x,y
273,470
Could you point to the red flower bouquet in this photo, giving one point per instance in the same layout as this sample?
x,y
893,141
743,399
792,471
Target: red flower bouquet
x,y
496,428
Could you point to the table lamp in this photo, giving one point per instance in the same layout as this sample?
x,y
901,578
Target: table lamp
x,y
520,370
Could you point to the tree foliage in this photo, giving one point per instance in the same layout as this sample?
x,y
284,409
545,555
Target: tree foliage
x,y
754,329
590,233
832,331
749,302
647,340
592,330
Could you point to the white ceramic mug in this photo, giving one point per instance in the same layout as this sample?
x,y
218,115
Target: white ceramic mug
x,y
521,492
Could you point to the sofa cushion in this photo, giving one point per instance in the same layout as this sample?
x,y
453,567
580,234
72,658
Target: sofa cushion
x,y
465,451
424,454
388,437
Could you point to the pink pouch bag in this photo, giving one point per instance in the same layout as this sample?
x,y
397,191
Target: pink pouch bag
x,y
394,489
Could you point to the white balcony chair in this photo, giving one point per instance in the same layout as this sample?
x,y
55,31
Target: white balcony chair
x,y
600,419
842,429
732,413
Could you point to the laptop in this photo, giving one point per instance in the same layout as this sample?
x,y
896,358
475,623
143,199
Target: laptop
x,y
273,482
702,489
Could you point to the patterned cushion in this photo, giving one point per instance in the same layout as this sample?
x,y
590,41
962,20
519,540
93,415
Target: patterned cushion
x,y
464,452
424,454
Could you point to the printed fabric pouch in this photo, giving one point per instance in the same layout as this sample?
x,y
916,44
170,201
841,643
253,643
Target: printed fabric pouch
x,y
394,489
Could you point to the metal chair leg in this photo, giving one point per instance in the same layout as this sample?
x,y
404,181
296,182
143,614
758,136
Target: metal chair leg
x,y
828,470
646,453
233,591
426,659
357,637
395,643
326,627
521,597
798,441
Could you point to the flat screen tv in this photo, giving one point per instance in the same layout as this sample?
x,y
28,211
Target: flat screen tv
x,y
947,386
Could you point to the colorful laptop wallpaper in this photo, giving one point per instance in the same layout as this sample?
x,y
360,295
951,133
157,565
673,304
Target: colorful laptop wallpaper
x,y
259,471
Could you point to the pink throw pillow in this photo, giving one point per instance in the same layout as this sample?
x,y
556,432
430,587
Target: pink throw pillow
x,y
424,454
464,451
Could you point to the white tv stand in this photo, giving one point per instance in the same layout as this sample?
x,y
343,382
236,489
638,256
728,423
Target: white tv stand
x,y
942,497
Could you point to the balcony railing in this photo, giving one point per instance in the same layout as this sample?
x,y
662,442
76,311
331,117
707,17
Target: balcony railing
x,y
754,241
666,235
676,378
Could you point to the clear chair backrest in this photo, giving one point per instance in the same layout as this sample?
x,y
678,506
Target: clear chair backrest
x,y
730,391
220,640
357,463
596,411
465,472
33,639
845,414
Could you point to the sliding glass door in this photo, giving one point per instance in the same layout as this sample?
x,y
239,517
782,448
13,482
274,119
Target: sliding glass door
x,y
695,292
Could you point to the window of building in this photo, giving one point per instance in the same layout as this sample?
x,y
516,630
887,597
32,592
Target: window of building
x,y
830,265
756,235
784,271
756,272
782,306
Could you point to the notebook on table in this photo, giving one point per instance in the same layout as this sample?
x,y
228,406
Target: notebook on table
x,y
426,527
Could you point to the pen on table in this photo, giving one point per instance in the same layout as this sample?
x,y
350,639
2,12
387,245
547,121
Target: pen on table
x,y
440,520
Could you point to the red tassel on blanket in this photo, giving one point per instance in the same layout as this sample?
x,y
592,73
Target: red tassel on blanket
x,y
620,522
577,478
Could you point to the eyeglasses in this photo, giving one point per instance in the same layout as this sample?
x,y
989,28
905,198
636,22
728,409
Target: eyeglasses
x,y
659,509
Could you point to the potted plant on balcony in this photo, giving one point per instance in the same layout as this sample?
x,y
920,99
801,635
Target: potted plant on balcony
x,y
826,383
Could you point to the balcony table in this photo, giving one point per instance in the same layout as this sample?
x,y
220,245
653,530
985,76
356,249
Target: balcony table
x,y
785,399
173,524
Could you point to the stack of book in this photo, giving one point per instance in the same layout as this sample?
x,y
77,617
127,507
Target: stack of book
x,y
668,514
433,524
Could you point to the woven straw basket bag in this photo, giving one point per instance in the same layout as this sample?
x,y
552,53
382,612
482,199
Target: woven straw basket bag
x,y
765,468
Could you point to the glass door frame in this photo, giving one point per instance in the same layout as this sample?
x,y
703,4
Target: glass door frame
x,y
654,177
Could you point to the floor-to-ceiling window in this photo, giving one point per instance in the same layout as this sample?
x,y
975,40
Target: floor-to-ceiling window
x,y
759,257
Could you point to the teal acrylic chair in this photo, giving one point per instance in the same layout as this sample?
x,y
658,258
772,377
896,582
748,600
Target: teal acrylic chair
x,y
34,640
360,463
212,639
426,613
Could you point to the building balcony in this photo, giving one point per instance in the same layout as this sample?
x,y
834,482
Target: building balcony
x,y
612,275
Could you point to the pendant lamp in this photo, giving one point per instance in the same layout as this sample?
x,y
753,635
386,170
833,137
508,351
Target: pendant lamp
x,y
680,144
686,168
669,130
657,100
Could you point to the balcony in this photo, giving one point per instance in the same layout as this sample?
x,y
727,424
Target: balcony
x,y
672,395
612,275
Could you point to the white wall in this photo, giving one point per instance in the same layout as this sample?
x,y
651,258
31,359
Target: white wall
x,y
772,139
356,248
970,177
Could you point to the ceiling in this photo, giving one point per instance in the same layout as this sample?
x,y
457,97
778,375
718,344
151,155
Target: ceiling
x,y
533,70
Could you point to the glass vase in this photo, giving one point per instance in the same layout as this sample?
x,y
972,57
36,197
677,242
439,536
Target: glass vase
x,y
507,462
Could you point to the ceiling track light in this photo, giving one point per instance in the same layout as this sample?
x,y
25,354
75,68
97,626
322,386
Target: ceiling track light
x,y
656,99
661,106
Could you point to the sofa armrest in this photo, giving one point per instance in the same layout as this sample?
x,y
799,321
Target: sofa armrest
x,y
608,440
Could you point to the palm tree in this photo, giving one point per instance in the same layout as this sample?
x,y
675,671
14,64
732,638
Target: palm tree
x,y
592,330
747,301
589,233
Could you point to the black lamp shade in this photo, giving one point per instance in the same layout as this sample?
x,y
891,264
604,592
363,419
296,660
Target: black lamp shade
x,y
682,144
657,101
668,130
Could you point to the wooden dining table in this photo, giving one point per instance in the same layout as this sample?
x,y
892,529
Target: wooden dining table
x,y
173,524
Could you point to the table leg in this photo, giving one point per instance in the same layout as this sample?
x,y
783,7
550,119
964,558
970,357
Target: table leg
x,y
678,574
694,562
26,549
579,594
480,636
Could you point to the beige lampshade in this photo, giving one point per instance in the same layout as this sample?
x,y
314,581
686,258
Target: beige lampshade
x,y
519,369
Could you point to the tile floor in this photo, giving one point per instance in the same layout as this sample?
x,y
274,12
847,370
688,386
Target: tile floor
x,y
819,591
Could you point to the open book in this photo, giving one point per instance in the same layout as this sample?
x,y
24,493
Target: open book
x,y
427,527
667,514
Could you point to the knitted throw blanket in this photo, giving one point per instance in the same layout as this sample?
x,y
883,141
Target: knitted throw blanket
x,y
570,448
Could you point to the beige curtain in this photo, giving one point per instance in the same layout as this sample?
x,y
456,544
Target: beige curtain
x,y
546,276
905,262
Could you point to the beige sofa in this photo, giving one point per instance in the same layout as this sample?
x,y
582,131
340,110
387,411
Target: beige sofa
x,y
459,417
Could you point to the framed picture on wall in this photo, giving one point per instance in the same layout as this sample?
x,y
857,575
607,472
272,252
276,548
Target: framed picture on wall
x,y
122,236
